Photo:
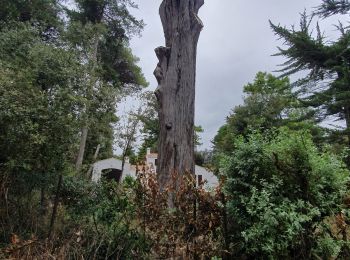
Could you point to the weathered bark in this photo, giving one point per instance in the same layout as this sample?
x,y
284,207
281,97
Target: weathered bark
x,y
175,93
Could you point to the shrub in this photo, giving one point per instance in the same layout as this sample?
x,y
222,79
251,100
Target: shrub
x,y
94,221
106,215
280,191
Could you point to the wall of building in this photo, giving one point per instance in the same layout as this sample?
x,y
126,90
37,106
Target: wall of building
x,y
111,163
211,181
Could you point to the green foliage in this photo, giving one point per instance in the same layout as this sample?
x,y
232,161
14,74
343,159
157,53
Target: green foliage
x,y
37,101
325,87
268,102
284,196
198,129
281,189
105,214
150,124
99,32
111,23
331,7
55,79
203,158
95,221
44,12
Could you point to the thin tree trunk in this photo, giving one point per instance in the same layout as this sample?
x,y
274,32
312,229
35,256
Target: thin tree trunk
x,y
175,93
89,95
42,201
55,205
130,134
82,145
225,255
88,174
130,138
347,121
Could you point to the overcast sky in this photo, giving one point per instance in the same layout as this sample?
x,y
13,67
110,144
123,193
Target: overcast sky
x,y
235,44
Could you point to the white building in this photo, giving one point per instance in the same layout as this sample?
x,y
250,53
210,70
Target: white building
x,y
202,174
151,160
112,167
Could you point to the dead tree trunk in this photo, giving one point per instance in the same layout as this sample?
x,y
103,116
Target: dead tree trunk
x,y
175,73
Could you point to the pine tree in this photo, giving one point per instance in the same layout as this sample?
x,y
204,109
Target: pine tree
x,y
331,7
327,85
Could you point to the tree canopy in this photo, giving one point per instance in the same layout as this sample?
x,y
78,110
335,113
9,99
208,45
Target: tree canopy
x,y
326,85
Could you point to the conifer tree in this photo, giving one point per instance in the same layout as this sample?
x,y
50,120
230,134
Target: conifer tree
x,y
326,86
331,7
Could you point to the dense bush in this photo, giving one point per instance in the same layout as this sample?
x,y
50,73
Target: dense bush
x,y
283,194
94,221
107,215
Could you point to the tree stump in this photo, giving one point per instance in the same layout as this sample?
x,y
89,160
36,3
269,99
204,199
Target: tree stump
x,y
176,73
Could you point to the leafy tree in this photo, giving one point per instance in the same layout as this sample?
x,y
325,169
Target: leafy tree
x,y
150,124
44,15
52,80
269,102
280,190
198,129
100,31
44,12
204,158
38,119
127,132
